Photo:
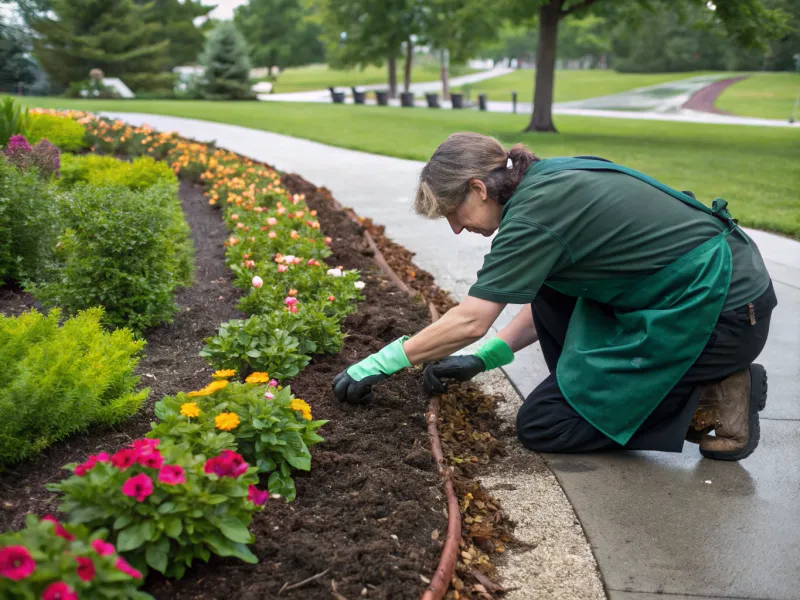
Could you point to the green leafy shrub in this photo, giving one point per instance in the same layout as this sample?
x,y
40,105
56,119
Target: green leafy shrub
x,y
139,174
121,249
164,506
272,429
59,380
13,120
52,558
28,225
65,133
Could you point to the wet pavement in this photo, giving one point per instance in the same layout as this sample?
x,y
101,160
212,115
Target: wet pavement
x,y
659,524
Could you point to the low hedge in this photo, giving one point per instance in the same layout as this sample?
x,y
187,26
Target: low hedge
x,y
107,170
63,132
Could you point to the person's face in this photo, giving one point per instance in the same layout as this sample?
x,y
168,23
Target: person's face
x,y
477,213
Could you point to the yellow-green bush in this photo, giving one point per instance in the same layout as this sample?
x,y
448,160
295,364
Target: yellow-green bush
x,y
59,380
101,170
63,132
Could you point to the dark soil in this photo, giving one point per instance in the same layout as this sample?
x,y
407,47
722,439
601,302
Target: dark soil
x,y
368,509
703,100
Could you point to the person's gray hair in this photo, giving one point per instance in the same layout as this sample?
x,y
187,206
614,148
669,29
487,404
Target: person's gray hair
x,y
462,157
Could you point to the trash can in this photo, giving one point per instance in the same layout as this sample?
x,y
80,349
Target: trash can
x,y
457,100
407,99
433,100
482,98
382,98
358,97
337,97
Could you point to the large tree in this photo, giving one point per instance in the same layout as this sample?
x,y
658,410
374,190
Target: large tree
x,y
227,64
177,19
75,36
279,33
747,22
16,64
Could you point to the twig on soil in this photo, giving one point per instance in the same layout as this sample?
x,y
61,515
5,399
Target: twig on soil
x,y
286,587
335,592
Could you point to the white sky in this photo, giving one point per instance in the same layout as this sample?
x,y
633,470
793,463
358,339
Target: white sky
x,y
224,8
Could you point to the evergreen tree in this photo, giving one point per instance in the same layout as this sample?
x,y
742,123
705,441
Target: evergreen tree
x,y
16,64
177,20
279,34
75,36
227,64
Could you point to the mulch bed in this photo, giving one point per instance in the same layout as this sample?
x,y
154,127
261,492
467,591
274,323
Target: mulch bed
x,y
367,512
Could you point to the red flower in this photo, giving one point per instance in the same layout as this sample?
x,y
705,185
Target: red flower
x,y
124,458
59,591
122,565
83,468
103,548
257,496
16,562
139,486
227,464
152,460
58,528
146,445
85,568
172,475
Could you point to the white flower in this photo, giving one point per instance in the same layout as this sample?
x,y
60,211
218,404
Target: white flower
x,y
335,272
257,282
360,285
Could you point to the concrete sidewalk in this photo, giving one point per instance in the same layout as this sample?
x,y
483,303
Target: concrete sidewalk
x,y
674,524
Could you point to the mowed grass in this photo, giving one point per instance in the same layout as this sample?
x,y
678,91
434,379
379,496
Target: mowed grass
x,y
320,77
766,95
756,169
573,84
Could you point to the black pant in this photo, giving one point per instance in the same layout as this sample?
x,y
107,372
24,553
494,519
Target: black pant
x,y
547,423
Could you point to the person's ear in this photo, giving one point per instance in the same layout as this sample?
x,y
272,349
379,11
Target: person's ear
x,y
477,186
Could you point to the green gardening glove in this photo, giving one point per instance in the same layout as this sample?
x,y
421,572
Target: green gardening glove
x,y
494,353
354,385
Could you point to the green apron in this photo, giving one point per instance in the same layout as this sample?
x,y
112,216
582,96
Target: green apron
x,y
629,342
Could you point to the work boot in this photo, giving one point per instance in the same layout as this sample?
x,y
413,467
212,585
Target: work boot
x,y
731,408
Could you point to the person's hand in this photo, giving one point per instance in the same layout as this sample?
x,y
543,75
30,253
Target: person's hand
x,y
460,368
354,385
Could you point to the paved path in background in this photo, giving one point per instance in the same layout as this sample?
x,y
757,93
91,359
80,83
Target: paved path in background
x,y
673,524
661,102
704,99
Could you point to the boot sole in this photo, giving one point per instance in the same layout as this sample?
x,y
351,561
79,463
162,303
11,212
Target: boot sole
x,y
758,400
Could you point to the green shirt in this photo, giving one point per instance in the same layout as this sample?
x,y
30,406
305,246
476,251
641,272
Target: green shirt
x,y
594,225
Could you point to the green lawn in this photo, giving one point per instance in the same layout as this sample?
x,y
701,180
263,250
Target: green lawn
x,y
754,168
573,84
320,77
766,95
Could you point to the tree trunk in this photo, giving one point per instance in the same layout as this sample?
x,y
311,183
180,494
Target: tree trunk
x,y
445,75
392,77
409,59
542,118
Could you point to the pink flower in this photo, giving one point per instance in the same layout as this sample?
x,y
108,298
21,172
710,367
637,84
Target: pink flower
x,y
293,309
139,486
59,591
233,241
240,225
250,264
269,395
257,282
172,475
86,568
146,445
16,562
335,272
122,565
58,528
331,298
273,383
83,468
328,240
272,234
299,214
282,268
310,262
124,458
272,221
290,301
18,142
227,464
104,457
281,211
257,496
103,548
151,460
234,217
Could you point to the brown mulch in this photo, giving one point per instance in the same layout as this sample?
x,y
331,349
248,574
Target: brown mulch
x,y
704,99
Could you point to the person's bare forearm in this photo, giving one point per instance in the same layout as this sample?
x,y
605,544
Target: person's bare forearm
x,y
520,332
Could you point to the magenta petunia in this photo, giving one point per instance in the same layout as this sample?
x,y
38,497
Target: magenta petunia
x,y
152,460
257,496
59,591
83,468
139,486
227,464
124,458
103,457
146,445
58,528
172,475
103,548
16,563
122,565
86,568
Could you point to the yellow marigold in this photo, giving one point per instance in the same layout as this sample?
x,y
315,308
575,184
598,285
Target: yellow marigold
x,y
301,406
257,377
226,421
224,374
212,387
190,409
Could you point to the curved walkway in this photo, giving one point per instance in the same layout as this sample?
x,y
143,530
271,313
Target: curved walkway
x,y
673,525
703,100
